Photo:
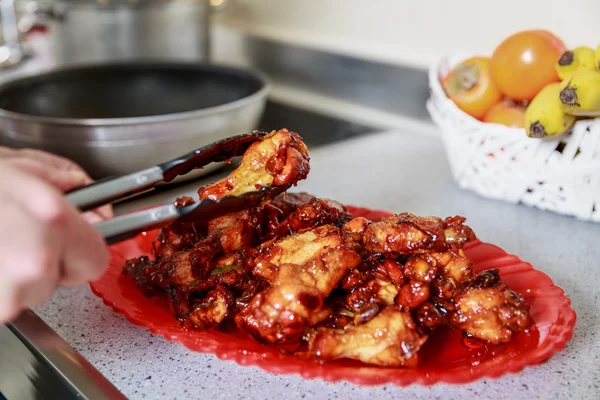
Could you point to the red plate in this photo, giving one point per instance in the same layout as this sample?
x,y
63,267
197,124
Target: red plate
x,y
443,358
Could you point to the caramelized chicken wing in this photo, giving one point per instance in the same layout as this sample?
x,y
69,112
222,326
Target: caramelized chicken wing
x,y
456,232
177,237
488,310
278,160
405,233
368,287
389,340
296,249
211,310
291,213
318,212
295,299
435,279
445,272
141,270
236,231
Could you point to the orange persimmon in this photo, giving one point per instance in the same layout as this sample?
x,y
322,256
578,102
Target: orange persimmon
x,y
524,63
506,113
471,88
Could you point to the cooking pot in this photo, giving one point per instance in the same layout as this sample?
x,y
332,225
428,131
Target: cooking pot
x,y
91,31
121,117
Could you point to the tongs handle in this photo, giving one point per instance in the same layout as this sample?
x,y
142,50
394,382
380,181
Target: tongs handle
x,y
108,190
127,226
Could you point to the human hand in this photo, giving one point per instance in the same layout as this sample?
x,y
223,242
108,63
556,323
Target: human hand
x,y
57,171
44,241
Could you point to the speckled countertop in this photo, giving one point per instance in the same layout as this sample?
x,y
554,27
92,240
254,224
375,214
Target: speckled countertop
x,y
397,171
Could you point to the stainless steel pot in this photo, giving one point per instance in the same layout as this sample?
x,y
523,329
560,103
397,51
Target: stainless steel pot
x,y
119,118
90,31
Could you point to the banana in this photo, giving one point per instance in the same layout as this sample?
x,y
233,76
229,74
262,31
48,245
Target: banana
x,y
544,116
580,94
598,56
571,61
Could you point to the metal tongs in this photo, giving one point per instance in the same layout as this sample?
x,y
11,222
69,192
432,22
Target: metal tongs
x,y
109,190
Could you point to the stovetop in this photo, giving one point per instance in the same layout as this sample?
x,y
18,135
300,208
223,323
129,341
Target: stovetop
x,y
316,129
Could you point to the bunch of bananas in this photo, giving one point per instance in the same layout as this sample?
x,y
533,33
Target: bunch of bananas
x,y
558,105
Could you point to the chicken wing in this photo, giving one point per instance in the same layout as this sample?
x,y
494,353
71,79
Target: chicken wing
x,y
141,270
292,213
211,310
434,281
236,231
444,272
295,299
404,234
488,310
373,285
296,249
278,160
389,340
178,236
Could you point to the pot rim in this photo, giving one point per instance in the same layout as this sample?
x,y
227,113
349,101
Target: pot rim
x,y
180,116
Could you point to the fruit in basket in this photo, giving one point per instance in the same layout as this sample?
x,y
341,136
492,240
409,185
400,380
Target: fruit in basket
x,y
470,87
580,94
544,115
578,59
524,63
506,113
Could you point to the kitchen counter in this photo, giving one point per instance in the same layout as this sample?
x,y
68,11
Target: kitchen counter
x,y
396,171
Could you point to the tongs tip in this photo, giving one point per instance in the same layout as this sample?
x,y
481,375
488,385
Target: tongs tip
x,y
222,150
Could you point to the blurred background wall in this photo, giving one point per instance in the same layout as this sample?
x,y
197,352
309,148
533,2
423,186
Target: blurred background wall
x,y
409,32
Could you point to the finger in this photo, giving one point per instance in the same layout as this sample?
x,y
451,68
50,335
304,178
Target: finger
x,y
84,254
99,215
88,259
46,158
6,152
105,212
54,160
30,260
66,174
62,179
70,175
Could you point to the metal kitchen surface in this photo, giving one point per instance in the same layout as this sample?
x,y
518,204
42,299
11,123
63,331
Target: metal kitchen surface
x,y
35,363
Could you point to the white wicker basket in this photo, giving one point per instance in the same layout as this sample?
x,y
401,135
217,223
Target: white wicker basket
x,y
499,162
